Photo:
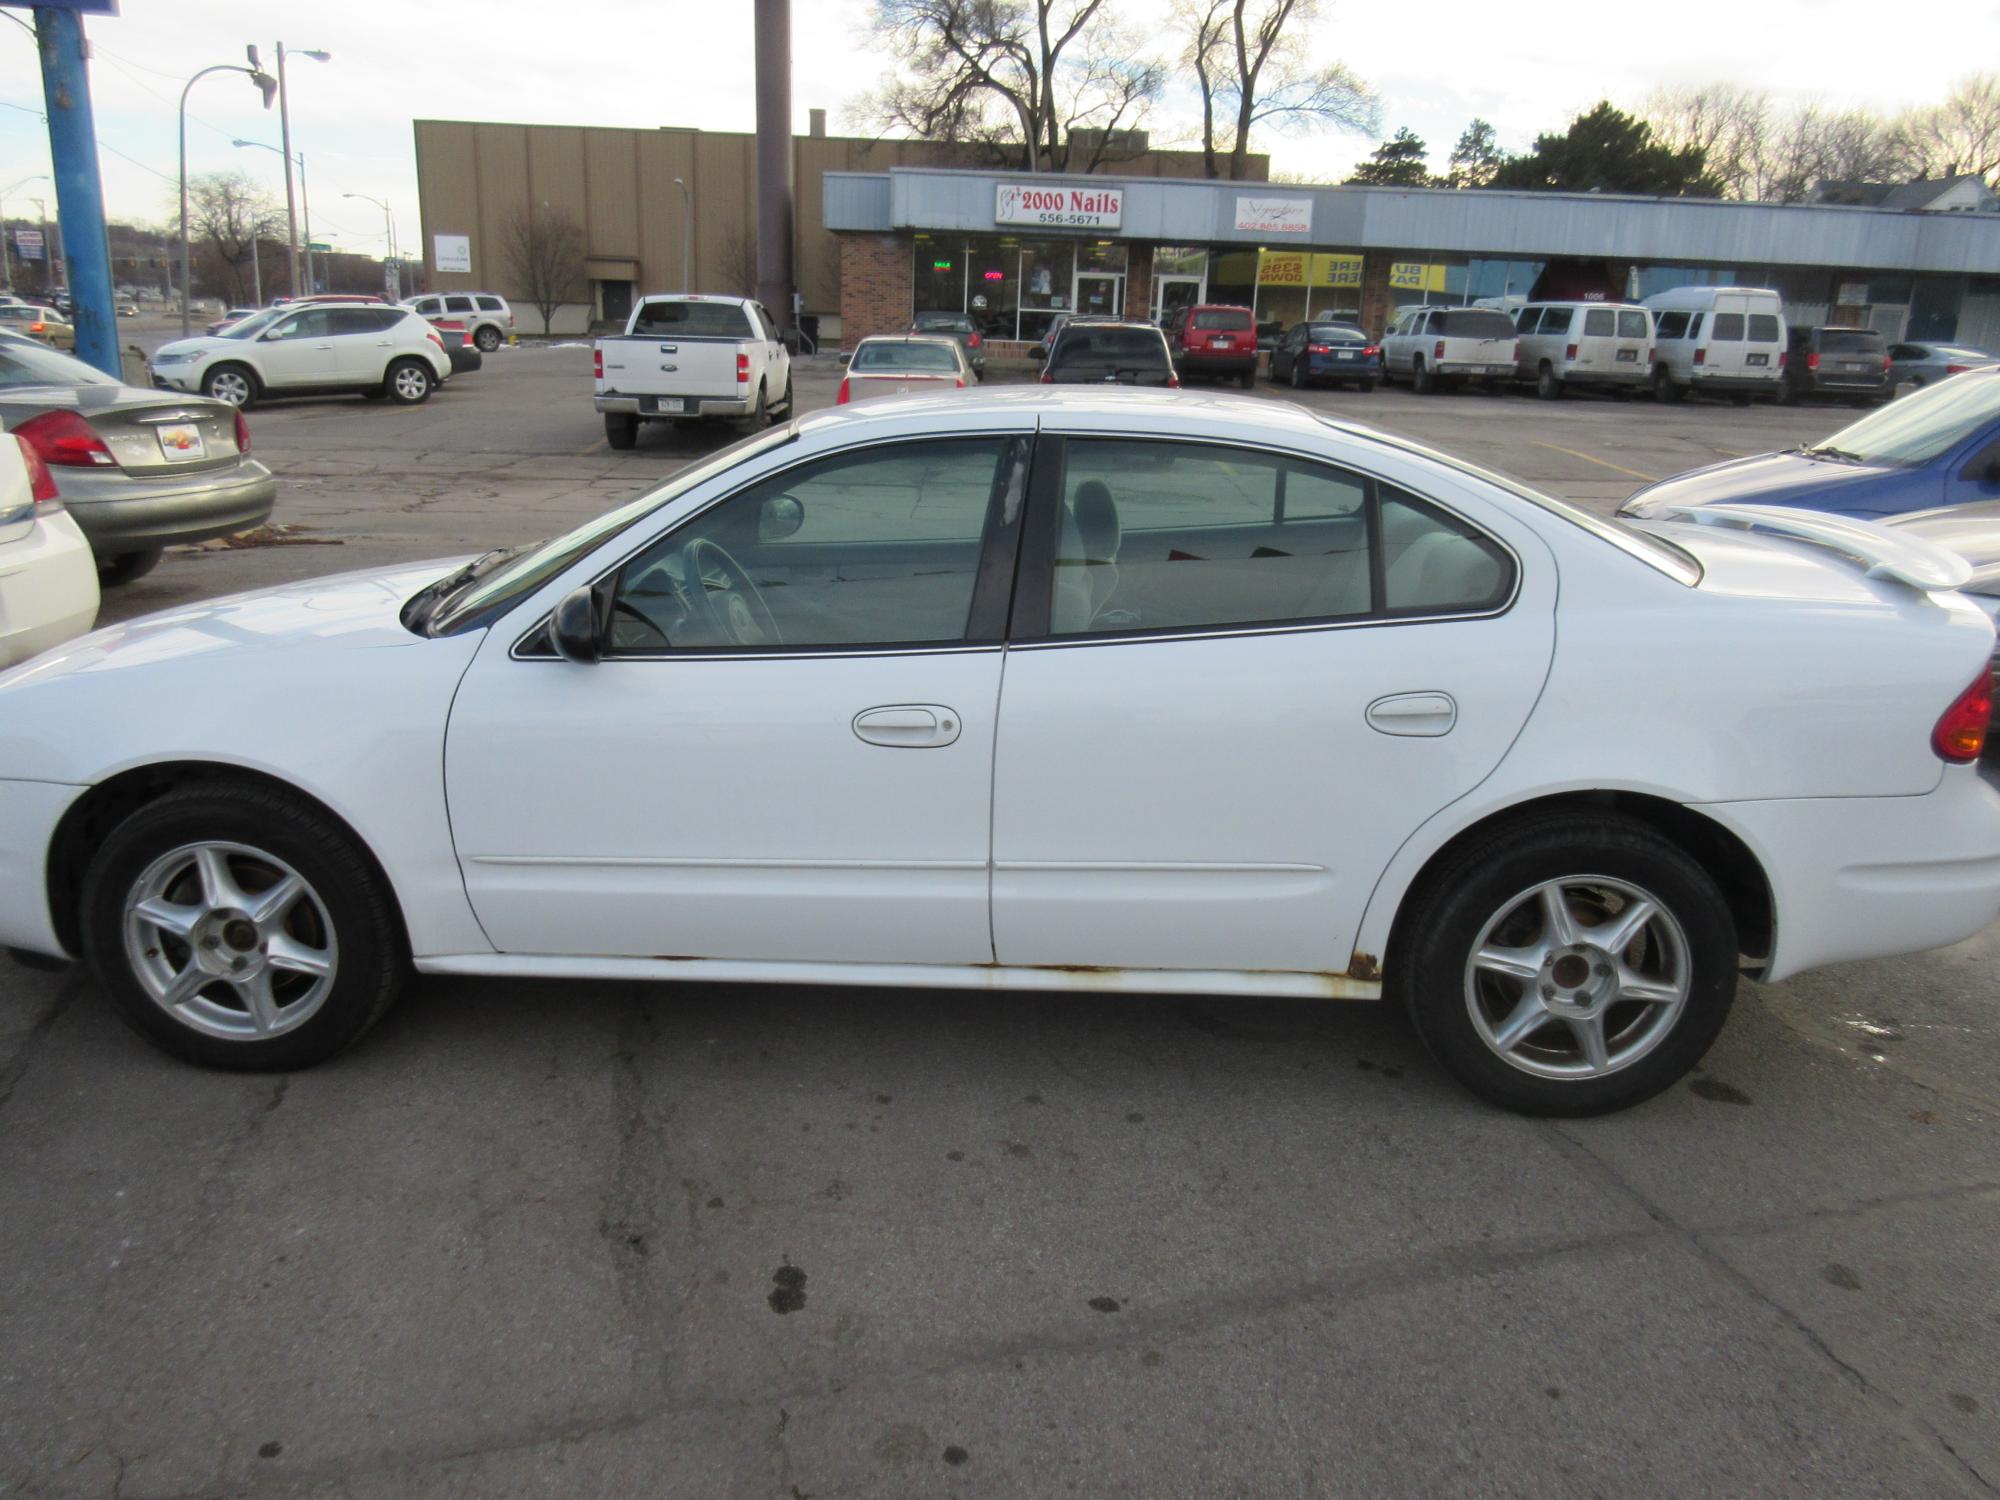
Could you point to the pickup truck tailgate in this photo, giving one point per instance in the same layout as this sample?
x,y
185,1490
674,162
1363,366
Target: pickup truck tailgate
x,y
647,365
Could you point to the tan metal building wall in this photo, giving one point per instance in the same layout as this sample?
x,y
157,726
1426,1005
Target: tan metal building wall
x,y
618,183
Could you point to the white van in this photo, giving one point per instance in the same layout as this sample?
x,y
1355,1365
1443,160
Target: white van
x,y
1606,345
1726,339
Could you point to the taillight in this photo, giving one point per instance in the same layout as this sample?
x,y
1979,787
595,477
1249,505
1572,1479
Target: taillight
x,y
1781,359
972,342
1371,351
1319,348
959,383
742,369
1701,356
242,432
597,363
41,483
1956,369
1649,356
1048,377
1812,360
1173,382
38,328
1885,364
1438,351
1961,731
841,399
1569,351
62,437
432,335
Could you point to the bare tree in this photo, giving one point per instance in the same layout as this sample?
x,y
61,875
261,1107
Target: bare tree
x,y
228,215
739,261
1250,68
544,253
1962,134
1762,151
1019,82
1731,125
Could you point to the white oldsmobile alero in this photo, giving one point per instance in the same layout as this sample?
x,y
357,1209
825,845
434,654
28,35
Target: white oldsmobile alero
x,y
1041,688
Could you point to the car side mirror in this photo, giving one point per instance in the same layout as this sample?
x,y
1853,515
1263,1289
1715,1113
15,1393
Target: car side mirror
x,y
1036,351
271,335
574,629
780,517
845,355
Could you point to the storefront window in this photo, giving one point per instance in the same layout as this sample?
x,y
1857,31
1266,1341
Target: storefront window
x,y
940,274
993,283
1048,268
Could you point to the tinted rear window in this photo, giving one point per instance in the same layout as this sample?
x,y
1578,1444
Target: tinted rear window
x,y
719,320
1335,333
1110,346
1631,325
1228,319
1850,341
1477,323
1727,328
944,322
1599,323
904,357
1763,328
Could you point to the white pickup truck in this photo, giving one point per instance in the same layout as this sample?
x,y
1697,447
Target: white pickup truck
x,y
684,357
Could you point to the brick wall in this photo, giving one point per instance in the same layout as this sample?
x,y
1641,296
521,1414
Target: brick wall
x,y
877,285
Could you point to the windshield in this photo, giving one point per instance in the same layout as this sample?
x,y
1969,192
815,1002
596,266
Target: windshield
x,y
537,564
1919,427
23,362
905,357
250,327
1478,323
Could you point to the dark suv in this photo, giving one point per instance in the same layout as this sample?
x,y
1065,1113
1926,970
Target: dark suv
x,y
1836,362
1215,340
1092,351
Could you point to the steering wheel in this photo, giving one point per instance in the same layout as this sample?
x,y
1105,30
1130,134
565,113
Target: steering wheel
x,y
725,598
632,611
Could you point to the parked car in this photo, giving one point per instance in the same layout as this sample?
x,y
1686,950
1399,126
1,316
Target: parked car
x,y
139,470
1040,348
486,315
1437,348
890,366
127,308
684,358
1103,351
808,628
458,346
1584,346
960,327
232,316
1316,353
1939,447
1919,365
1836,363
1721,340
1214,341
43,324
309,349
48,583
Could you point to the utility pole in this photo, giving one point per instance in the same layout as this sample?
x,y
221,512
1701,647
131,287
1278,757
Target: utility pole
x,y
267,86
774,158
687,235
285,140
79,193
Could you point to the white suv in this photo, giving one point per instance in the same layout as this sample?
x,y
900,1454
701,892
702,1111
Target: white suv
x,y
487,318
310,349
1437,347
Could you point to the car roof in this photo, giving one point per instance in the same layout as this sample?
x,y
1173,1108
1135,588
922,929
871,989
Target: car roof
x,y
925,340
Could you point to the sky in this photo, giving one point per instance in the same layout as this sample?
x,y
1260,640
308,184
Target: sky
x,y
1526,68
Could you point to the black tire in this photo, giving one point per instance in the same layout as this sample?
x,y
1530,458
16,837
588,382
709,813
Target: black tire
x,y
1787,394
621,429
487,338
760,414
127,567
1367,386
1546,385
409,382
1421,380
1248,379
1664,389
785,402
367,933
1739,398
1297,375
1487,876
224,383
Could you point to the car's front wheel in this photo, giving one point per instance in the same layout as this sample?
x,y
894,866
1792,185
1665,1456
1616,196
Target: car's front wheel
x,y
487,338
1572,964
409,382
237,926
231,383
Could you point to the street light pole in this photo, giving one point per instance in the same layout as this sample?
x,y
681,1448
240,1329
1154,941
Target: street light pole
x,y
305,206
389,222
6,249
285,135
268,86
687,235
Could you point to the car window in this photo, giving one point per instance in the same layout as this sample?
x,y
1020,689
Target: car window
x,y
354,320
725,320
895,356
458,304
428,305
1337,333
24,362
1764,328
1694,325
1225,319
490,304
1726,328
1850,341
1475,323
310,324
1600,323
1631,323
1435,564
1114,348
1670,325
1162,535
886,550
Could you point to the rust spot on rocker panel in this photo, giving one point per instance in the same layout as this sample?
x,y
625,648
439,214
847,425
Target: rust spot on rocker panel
x,y
1365,967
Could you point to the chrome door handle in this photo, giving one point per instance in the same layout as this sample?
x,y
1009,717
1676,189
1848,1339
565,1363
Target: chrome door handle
x,y
908,726
1424,715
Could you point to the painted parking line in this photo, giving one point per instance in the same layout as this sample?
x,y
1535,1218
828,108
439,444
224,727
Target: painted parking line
x,y
1590,458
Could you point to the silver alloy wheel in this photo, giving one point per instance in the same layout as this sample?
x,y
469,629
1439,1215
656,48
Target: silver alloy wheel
x,y
487,339
412,384
230,941
232,386
1577,977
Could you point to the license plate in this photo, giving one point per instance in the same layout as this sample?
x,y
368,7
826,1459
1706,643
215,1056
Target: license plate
x,y
1852,364
1757,361
1628,356
181,442
1218,343
1343,354
1499,369
668,403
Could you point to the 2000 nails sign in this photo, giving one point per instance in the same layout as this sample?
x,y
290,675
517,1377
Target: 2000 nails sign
x,y
1073,207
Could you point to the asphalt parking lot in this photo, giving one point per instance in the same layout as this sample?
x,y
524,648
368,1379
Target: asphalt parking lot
x,y
553,1239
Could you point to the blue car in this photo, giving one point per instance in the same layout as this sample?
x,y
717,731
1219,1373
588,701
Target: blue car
x,y
1938,447
1321,353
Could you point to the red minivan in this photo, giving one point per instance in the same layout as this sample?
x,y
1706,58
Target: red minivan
x,y
1214,340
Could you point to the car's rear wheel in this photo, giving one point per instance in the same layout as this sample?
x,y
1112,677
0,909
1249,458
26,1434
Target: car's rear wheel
x,y
1664,389
127,567
1421,379
409,382
232,383
236,926
1248,379
1568,965
487,339
621,429
1787,394
1298,375
760,414
1546,385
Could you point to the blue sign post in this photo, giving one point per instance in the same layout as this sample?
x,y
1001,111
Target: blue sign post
x,y
79,193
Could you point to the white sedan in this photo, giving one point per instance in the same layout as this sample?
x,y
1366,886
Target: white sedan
x,y
48,575
1039,688
903,365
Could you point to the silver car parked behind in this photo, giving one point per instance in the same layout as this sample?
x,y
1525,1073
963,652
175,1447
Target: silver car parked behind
x,y
1919,365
